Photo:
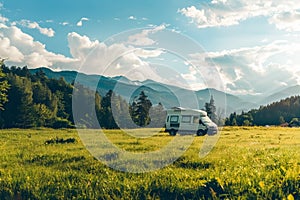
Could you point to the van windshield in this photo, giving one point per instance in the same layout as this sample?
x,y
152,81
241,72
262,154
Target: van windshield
x,y
205,120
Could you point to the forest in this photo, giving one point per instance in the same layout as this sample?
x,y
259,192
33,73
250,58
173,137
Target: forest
x,y
284,113
33,100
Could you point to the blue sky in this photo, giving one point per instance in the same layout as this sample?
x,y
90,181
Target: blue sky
x,y
251,47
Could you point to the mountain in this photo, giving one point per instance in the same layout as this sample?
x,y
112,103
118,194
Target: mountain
x,y
233,103
168,95
287,92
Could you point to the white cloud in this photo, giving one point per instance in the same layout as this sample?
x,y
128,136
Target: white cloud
x,y
132,17
142,53
218,1
143,39
3,19
80,46
34,25
86,55
8,51
64,23
191,76
254,70
115,59
80,22
243,71
21,49
289,21
232,12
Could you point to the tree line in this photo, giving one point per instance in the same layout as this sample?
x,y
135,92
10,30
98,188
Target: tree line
x,y
34,100
285,112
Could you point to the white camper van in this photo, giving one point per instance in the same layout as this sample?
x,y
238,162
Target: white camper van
x,y
185,120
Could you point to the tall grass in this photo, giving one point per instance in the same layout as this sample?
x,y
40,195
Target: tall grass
x,y
246,163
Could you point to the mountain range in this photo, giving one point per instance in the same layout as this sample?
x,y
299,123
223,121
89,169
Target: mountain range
x,y
169,95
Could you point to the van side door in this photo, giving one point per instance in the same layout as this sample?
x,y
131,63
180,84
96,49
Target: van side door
x,y
187,124
174,121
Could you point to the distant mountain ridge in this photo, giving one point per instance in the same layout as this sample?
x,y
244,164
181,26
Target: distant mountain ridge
x,y
168,95
287,92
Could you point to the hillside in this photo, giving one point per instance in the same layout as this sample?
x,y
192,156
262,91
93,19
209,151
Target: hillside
x,y
276,113
168,95
287,92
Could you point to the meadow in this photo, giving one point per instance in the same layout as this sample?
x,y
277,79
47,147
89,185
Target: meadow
x,y
246,163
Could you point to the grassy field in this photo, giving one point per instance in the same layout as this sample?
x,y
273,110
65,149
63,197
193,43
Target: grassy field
x,y
246,163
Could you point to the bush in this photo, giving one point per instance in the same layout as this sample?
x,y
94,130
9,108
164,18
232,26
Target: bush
x,y
60,141
61,123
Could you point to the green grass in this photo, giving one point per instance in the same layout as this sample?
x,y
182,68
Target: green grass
x,y
246,163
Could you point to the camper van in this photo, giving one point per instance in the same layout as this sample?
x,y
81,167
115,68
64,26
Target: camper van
x,y
183,121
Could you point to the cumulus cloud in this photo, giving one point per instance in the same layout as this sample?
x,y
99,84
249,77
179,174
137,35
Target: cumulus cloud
x,y
232,12
254,70
289,21
88,56
132,17
112,60
80,22
8,51
34,25
243,71
21,49
80,46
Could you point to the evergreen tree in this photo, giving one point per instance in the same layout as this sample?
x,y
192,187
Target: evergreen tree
x,y
4,86
64,92
18,110
105,117
273,114
140,108
42,115
210,108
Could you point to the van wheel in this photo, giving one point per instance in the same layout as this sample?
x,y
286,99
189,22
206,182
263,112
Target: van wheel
x,y
201,132
172,132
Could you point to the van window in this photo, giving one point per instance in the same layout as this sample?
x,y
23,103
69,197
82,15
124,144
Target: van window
x,y
196,120
174,118
168,118
186,119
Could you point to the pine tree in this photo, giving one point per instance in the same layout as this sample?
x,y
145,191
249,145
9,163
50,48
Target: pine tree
x,y
105,117
4,86
210,108
18,111
140,108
